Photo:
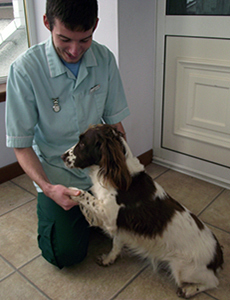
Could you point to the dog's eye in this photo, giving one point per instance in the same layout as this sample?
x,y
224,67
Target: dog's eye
x,y
81,145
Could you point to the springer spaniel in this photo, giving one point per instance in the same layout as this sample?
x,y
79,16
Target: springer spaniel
x,y
137,213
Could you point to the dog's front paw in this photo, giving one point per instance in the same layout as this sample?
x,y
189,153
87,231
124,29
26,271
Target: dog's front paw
x,y
104,260
79,197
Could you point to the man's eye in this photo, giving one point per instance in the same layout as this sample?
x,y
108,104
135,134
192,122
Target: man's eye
x,y
85,41
64,40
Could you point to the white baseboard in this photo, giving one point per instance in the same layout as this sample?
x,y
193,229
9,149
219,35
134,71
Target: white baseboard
x,y
223,181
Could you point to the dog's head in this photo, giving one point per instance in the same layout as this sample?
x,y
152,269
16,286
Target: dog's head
x,y
101,145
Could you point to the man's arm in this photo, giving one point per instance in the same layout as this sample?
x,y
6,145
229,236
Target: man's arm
x,y
30,163
120,128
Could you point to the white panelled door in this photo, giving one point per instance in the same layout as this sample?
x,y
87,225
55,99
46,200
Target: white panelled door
x,y
196,119
192,110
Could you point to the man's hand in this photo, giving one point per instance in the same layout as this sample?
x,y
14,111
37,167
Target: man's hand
x,y
33,168
62,195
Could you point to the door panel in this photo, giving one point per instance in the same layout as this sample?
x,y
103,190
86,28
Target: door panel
x,y
192,86
196,117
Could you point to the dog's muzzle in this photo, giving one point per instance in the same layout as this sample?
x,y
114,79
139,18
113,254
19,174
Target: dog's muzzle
x,y
69,158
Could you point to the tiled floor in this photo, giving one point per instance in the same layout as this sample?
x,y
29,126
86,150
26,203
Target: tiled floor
x,y
24,274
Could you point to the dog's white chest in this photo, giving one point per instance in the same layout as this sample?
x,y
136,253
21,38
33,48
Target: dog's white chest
x,y
107,197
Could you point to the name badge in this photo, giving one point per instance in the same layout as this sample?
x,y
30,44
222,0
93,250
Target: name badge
x,y
94,89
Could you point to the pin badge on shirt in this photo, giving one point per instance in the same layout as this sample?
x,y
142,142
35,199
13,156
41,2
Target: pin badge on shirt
x,y
94,89
56,106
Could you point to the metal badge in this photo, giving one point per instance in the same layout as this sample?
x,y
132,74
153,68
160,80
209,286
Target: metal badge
x,y
56,106
94,88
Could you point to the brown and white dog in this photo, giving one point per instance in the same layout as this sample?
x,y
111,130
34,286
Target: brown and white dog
x,y
137,213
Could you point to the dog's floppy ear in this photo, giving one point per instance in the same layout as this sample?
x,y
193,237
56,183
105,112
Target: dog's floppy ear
x,y
113,166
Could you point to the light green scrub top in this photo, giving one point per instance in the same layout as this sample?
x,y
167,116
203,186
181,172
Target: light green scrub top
x,y
36,79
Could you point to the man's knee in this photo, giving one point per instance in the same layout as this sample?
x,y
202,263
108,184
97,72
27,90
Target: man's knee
x,y
63,253
62,235
67,257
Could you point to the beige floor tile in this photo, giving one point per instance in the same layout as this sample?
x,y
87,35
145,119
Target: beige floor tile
x,y
25,182
5,269
15,287
156,286
155,170
86,280
12,196
195,194
18,235
218,213
223,291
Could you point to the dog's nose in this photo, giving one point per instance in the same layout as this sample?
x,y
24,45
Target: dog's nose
x,y
64,156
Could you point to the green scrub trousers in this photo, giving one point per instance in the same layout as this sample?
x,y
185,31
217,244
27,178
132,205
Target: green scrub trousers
x,y
63,236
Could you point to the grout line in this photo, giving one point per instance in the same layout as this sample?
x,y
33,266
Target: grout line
x,y
221,229
20,205
158,176
17,270
25,264
24,189
128,283
218,195
8,275
34,285
210,296
10,265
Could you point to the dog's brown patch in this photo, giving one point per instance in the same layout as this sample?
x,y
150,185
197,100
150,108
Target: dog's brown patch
x,y
144,212
199,224
218,258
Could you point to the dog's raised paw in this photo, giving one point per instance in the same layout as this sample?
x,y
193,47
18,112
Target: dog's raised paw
x,y
80,196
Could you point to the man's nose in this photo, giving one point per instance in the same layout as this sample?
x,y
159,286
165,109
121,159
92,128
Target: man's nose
x,y
74,49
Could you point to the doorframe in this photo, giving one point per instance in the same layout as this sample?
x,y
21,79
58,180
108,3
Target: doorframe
x,y
171,25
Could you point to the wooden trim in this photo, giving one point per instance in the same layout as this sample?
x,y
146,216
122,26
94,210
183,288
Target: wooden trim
x,y
9,172
146,158
13,170
2,92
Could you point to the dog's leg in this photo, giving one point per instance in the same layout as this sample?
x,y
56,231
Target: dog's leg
x,y
109,259
91,208
95,213
203,281
193,280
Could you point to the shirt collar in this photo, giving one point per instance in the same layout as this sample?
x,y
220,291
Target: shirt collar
x,y
56,67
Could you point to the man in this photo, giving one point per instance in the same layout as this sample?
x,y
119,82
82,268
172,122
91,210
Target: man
x,y
54,92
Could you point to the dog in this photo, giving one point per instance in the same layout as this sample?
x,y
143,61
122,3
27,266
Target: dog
x,y
137,213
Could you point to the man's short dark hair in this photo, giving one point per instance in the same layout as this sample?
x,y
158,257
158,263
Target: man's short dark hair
x,y
74,14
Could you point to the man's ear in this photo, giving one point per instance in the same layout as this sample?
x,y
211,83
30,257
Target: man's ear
x,y
95,26
46,23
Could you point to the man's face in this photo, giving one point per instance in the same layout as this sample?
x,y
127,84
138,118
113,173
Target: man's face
x,y
70,45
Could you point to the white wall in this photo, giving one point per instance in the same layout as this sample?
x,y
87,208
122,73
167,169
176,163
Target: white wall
x,y
136,60
127,28
39,10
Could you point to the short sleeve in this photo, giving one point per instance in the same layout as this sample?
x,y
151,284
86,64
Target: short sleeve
x,y
21,112
116,108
